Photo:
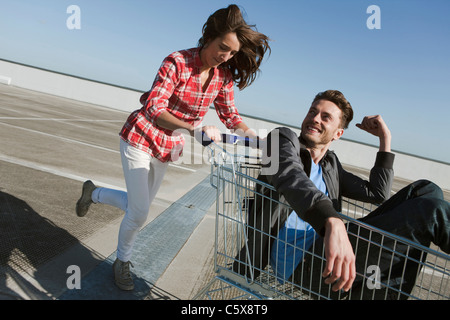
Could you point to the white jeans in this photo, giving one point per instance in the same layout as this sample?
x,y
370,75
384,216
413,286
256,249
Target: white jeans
x,y
143,177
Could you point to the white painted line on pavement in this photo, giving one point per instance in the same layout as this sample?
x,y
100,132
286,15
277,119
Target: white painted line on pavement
x,y
60,119
83,143
40,167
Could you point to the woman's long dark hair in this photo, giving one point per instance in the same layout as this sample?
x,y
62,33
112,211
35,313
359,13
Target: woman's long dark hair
x,y
244,65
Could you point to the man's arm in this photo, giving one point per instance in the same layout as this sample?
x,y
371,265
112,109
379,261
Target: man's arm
x,y
378,188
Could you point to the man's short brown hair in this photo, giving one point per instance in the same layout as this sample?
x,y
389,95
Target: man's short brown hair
x,y
338,99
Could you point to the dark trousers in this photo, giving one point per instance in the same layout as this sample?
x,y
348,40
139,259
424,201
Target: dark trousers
x,y
419,213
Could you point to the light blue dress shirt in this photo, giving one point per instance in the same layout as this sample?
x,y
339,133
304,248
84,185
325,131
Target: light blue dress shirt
x,y
286,252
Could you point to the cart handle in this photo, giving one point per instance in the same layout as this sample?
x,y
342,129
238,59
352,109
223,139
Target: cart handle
x,y
234,139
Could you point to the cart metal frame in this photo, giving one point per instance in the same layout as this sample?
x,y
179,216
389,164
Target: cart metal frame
x,y
234,174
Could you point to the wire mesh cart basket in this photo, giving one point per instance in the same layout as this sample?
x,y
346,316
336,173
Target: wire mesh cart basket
x,y
235,176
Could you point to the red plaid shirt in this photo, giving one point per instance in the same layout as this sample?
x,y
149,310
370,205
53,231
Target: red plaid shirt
x,y
177,89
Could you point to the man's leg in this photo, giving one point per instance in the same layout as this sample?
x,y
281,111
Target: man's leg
x,y
417,213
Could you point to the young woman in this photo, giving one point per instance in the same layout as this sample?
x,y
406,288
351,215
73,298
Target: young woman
x,y
189,81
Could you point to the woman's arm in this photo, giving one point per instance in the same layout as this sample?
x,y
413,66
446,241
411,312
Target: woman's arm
x,y
168,121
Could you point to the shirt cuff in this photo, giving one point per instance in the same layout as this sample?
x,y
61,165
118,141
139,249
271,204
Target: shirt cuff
x,y
153,113
317,215
232,122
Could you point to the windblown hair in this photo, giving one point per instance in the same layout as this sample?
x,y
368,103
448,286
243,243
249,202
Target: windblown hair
x,y
244,65
338,99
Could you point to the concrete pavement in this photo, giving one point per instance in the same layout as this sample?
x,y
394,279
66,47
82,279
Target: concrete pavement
x,y
49,146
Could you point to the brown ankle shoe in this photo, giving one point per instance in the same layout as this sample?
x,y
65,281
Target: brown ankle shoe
x,y
122,275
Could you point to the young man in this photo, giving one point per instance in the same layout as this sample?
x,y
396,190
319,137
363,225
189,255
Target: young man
x,y
309,177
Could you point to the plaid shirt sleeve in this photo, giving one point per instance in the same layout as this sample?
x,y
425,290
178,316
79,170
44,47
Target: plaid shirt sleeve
x,y
163,87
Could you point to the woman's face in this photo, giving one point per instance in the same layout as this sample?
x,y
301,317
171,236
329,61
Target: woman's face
x,y
220,50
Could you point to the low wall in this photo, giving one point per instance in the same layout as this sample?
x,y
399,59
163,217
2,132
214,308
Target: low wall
x,y
67,86
351,153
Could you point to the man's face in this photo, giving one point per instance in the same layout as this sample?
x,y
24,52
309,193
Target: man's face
x,y
322,124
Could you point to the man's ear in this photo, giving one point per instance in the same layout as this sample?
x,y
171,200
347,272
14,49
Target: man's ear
x,y
338,134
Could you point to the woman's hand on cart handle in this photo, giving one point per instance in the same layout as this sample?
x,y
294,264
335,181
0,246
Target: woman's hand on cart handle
x,y
252,142
212,133
207,134
231,139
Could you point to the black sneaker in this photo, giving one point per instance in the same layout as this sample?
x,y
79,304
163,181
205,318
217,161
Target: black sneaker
x,y
86,198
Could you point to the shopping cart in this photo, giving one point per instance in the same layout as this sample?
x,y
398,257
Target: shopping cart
x,y
234,173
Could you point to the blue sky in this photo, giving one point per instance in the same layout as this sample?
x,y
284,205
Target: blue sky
x,y
401,71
